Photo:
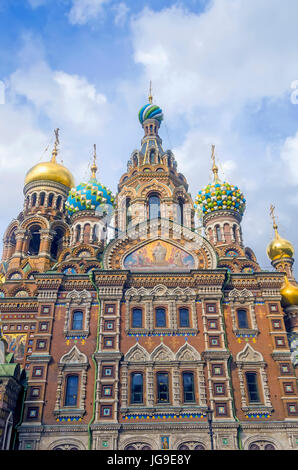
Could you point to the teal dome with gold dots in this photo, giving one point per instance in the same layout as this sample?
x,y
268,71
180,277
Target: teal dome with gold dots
x,y
219,195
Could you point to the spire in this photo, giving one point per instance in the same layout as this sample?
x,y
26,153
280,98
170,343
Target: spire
x,y
55,150
150,97
272,213
94,166
214,167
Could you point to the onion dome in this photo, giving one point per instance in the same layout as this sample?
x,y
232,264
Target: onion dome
x,y
289,293
279,247
150,111
219,195
50,171
90,195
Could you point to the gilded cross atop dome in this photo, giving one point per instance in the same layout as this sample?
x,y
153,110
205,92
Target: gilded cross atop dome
x,y
214,166
94,166
55,149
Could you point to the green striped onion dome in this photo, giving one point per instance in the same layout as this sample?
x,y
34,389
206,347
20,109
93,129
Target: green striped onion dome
x,y
90,196
220,196
150,111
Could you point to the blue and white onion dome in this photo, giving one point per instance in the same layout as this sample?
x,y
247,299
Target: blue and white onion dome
x,y
150,111
220,196
89,196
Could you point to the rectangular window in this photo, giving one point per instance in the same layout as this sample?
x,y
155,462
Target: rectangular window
x,y
242,319
77,320
137,318
40,344
136,388
188,387
252,387
276,324
217,369
219,389
221,409
212,324
211,308
108,342
106,411
273,308
214,341
37,372
71,393
288,387
292,408
45,309
109,325
285,369
110,309
280,342
107,371
184,317
162,387
35,392
160,318
44,326
107,391
32,413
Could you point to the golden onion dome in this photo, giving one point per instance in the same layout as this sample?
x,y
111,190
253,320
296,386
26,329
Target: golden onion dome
x,y
51,171
289,293
279,247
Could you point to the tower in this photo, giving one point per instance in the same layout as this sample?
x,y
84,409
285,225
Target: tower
x,y
222,205
33,240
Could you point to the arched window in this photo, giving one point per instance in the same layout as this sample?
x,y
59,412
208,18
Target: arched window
x,y
252,387
160,317
152,157
34,241
78,233
254,447
154,207
137,318
180,206
242,319
184,317
128,212
33,199
58,202
162,387
50,200
188,387
77,320
71,392
218,233
235,232
136,388
56,243
41,199
95,232
86,236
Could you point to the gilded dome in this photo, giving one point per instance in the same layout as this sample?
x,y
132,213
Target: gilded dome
x,y
280,248
50,171
289,293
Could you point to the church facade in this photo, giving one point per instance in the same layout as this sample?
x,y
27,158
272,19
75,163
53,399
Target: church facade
x,y
137,327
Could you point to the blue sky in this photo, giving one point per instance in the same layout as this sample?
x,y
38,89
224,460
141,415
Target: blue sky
x,y
221,70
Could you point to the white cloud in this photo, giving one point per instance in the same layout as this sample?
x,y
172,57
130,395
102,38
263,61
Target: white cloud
x,y
289,154
67,99
234,52
121,12
83,11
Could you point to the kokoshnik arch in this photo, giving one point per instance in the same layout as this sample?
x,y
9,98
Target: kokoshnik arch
x,y
123,322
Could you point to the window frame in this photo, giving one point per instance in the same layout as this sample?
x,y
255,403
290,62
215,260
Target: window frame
x,y
66,395
132,393
158,384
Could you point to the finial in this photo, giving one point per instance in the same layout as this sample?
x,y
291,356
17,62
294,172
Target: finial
x,y
55,150
94,166
214,167
150,98
272,213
